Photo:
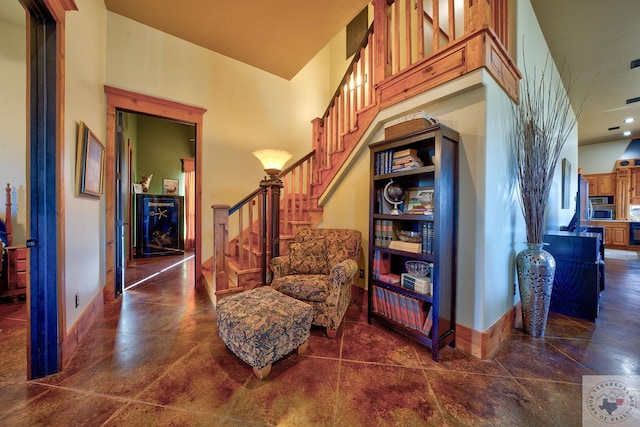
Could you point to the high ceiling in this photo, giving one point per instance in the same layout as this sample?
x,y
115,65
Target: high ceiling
x,y
278,36
595,40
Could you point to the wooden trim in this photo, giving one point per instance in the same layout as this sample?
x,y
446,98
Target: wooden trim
x,y
139,103
464,55
59,7
188,165
483,344
80,328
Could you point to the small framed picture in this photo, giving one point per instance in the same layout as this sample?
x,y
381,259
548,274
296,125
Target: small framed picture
x,y
170,186
419,201
89,164
137,189
566,183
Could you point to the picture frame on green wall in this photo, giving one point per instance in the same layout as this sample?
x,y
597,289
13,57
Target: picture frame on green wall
x,y
170,186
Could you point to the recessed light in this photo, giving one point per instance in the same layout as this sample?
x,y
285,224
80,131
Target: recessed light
x,y
629,120
626,133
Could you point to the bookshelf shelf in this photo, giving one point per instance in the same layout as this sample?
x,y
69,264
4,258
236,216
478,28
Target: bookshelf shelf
x,y
426,318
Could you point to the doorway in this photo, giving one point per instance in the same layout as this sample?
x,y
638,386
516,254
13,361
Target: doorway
x,y
158,152
131,102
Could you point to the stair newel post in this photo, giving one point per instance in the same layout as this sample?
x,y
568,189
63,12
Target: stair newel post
x,y
221,245
272,161
271,186
263,229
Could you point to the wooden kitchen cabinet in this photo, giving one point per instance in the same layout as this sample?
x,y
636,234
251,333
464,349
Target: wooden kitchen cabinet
x,y
619,234
616,233
634,190
601,184
623,189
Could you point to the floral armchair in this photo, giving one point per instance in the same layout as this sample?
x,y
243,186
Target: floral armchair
x,y
319,270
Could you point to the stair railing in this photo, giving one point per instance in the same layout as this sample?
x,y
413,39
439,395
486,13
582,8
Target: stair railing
x,y
248,221
412,46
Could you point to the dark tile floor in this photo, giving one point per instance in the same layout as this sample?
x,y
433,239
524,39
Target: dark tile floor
x,y
155,358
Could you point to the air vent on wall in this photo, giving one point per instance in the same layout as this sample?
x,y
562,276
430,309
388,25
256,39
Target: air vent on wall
x,y
635,63
614,128
632,100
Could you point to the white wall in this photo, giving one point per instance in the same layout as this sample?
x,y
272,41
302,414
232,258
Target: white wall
x,y
247,108
601,158
84,219
13,137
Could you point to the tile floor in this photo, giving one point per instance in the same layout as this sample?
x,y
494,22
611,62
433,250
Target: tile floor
x,y
155,358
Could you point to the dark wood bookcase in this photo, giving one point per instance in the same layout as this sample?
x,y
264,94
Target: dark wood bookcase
x,y
398,307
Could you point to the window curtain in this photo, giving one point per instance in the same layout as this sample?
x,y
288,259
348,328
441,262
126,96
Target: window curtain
x,y
188,167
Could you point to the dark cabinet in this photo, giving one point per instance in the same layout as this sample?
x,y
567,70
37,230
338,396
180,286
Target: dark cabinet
x,y
159,225
579,277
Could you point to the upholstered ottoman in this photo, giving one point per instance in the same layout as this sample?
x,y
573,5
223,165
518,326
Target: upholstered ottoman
x,y
262,325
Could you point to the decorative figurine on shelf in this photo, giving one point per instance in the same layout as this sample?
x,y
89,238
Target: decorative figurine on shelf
x,y
145,182
394,194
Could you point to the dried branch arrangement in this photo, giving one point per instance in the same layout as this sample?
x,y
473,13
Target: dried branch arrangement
x,y
542,124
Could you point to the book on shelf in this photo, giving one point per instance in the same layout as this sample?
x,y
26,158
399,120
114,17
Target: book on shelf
x,y
415,306
422,285
406,246
405,152
403,309
406,163
381,263
428,321
390,278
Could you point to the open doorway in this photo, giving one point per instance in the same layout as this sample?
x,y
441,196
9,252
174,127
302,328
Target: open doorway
x,y
119,101
155,195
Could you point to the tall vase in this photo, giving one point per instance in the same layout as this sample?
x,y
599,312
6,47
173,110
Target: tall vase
x,y
536,268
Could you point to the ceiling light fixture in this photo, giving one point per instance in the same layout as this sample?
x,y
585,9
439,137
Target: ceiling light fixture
x,y
629,120
626,133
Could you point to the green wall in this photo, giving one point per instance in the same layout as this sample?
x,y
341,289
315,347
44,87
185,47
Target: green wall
x,y
160,146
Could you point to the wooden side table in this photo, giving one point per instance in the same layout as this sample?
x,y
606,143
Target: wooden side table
x,y
16,271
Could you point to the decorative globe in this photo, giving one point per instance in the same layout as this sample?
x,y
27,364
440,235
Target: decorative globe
x,y
394,194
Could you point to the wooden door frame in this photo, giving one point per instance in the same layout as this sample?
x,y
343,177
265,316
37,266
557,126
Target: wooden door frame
x,y
121,99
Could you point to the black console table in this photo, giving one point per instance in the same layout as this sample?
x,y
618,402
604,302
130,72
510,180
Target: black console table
x,y
579,277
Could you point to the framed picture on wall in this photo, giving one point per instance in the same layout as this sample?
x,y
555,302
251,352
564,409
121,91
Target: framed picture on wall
x,y
566,183
170,186
89,164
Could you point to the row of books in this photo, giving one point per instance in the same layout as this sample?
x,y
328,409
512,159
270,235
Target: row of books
x,y
382,232
402,309
388,161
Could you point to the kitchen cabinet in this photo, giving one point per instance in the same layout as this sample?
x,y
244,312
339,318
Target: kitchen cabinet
x,y
601,184
616,233
634,190
623,188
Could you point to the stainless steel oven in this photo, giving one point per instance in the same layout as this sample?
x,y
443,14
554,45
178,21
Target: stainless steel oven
x,y
634,233
601,213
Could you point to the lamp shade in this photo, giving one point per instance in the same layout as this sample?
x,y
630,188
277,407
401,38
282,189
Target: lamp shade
x,y
272,160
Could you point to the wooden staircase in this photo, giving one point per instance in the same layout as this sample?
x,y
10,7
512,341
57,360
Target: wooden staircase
x,y
405,53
